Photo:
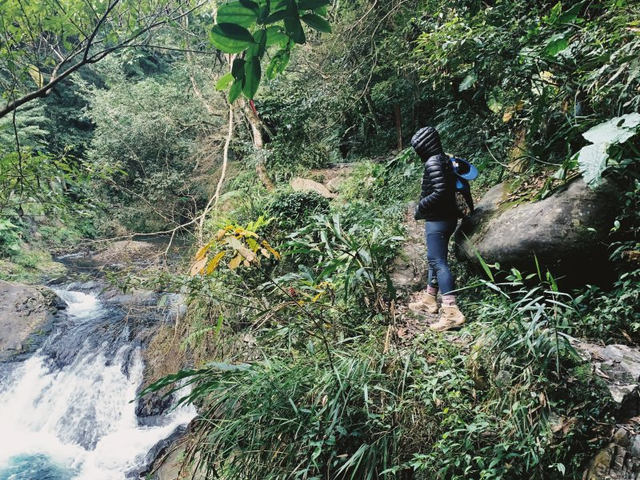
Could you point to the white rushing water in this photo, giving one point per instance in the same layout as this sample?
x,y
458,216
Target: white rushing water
x,y
77,421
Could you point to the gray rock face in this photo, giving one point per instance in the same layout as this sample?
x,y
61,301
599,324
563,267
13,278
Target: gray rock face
x,y
565,231
619,367
619,460
24,311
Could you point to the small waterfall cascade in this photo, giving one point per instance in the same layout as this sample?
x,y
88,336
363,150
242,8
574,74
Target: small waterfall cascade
x,y
67,412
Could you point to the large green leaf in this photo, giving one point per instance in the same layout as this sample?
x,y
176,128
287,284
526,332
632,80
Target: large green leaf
x,y
235,91
312,4
468,82
316,22
238,14
592,161
494,104
251,5
556,44
260,44
253,74
614,131
278,16
278,63
237,69
230,38
264,14
293,27
571,15
224,81
276,36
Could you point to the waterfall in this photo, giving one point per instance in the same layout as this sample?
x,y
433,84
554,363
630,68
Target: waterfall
x,y
67,412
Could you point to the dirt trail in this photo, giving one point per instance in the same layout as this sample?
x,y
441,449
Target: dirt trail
x,y
409,275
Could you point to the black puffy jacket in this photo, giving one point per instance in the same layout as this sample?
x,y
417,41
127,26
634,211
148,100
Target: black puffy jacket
x,y
438,198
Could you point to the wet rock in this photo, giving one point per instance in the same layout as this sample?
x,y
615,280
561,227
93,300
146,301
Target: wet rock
x,y
562,230
149,409
619,367
85,287
26,316
170,464
159,452
143,298
163,356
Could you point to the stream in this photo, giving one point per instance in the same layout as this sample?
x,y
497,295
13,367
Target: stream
x,y
67,412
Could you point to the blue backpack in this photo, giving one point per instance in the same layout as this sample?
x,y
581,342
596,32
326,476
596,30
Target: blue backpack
x,y
464,171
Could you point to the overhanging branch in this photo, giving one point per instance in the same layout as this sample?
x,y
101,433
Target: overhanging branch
x,y
58,76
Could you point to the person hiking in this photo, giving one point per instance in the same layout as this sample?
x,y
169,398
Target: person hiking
x,y
438,207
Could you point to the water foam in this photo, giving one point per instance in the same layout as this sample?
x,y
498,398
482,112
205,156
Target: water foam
x,y
80,417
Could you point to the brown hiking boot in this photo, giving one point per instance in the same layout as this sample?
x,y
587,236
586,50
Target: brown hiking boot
x,y
451,317
428,302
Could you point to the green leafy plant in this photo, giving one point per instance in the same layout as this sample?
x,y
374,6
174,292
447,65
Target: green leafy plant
x,y
592,159
292,210
612,315
249,28
274,419
526,377
9,238
355,259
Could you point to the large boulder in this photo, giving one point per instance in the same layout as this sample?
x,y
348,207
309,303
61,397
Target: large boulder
x,y
307,185
26,314
566,231
619,460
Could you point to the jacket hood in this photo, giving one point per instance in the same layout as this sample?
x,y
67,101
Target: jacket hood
x,y
426,142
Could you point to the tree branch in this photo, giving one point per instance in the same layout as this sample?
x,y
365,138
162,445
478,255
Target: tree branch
x,y
88,59
213,202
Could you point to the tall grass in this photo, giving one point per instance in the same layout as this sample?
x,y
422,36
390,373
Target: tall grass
x,y
280,419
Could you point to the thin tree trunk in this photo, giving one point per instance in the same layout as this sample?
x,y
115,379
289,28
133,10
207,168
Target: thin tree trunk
x,y
213,202
257,131
372,111
398,124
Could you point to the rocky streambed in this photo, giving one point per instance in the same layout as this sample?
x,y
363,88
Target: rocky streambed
x,y
72,360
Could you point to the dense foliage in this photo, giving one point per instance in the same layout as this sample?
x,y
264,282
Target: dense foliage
x,y
296,343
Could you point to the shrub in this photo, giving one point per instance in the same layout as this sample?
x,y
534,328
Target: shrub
x,y
292,210
612,315
9,238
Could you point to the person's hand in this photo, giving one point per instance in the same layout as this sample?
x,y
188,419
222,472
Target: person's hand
x,y
418,214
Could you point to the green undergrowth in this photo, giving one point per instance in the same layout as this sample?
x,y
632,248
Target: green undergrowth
x,y
298,371
611,315
25,257
506,398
